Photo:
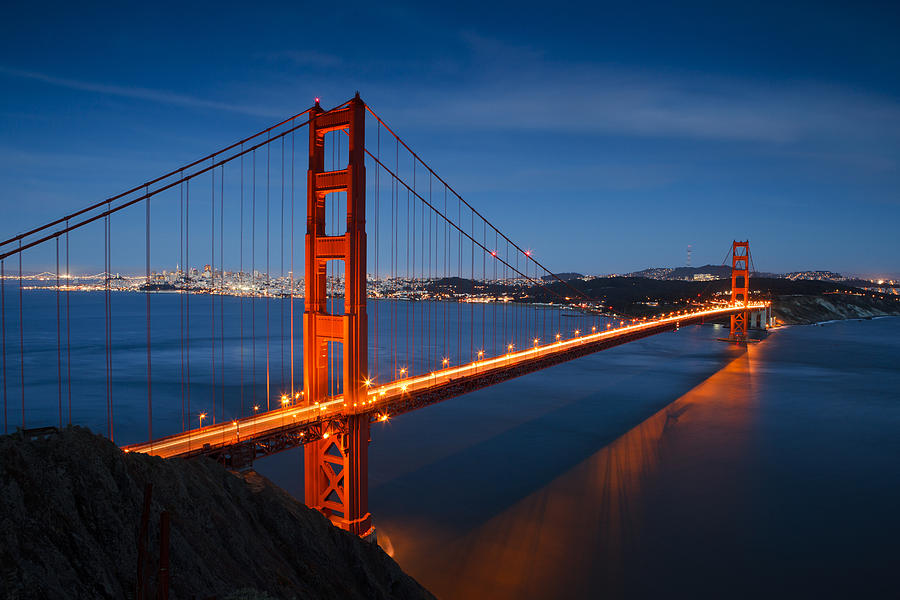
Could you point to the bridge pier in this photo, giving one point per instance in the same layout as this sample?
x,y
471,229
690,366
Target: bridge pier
x,y
337,476
336,480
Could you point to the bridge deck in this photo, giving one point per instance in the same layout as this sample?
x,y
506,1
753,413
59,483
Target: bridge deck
x,y
275,430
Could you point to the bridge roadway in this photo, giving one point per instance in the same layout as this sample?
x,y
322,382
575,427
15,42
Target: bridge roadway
x,y
237,442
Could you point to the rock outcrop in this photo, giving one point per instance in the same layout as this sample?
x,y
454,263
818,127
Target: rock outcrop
x,y
807,309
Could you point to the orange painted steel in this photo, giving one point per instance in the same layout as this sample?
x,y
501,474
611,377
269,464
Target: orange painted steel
x,y
336,465
740,289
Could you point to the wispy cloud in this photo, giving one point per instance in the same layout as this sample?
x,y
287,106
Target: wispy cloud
x,y
138,93
519,88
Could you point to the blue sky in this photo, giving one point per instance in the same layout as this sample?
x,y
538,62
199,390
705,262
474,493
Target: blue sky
x,y
607,137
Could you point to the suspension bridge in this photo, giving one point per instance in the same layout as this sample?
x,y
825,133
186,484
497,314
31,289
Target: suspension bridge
x,y
408,296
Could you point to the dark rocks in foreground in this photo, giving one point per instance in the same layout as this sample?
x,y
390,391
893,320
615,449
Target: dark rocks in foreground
x,y
70,512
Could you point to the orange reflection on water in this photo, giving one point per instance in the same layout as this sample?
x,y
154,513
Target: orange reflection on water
x,y
570,537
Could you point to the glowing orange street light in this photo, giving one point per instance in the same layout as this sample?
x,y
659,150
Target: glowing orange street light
x,y
535,342
445,362
201,416
403,371
557,337
510,347
481,354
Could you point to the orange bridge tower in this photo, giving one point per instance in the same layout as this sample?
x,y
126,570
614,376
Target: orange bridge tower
x,y
336,467
740,288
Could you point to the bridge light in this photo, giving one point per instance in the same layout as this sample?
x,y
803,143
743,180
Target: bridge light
x,y
202,416
535,341
284,400
367,382
577,331
493,253
557,337
480,353
403,371
403,387
297,395
256,407
325,435
445,361
510,347
383,417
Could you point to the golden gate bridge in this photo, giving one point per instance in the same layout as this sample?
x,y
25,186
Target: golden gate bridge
x,y
381,224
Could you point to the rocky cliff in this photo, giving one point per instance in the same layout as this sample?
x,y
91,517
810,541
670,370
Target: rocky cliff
x,y
806,309
70,513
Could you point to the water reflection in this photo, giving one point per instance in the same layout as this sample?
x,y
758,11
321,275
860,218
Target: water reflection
x,y
575,536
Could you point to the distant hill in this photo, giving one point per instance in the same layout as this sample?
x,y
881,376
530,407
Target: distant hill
x,y
691,273
683,273
563,276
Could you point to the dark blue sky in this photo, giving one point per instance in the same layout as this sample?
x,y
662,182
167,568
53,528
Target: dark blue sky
x,y
607,137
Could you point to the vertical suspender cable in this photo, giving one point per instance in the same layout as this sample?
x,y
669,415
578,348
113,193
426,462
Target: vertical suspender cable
x,y
266,296
281,282
187,299
241,276
147,295
68,331
58,340
212,283
183,292
291,279
253,284
3,335
377,196
21,338
222,288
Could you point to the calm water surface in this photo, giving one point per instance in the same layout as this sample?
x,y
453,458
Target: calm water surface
x,y
675,466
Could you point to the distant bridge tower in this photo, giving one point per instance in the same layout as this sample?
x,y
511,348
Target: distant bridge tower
x,y
336,467
740,288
